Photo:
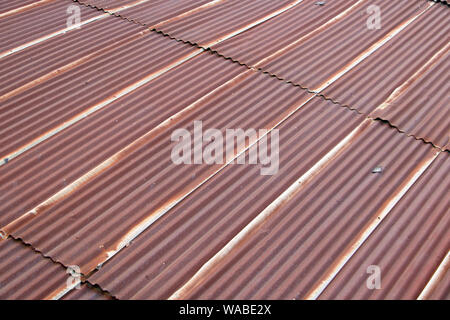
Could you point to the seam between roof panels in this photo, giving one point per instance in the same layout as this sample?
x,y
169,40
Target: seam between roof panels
x,y
317,94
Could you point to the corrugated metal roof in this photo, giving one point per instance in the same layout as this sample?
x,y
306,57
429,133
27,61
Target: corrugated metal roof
x,y
86,176
313,61
287,253
86,292
421,106
267,38
135,186
44,109
169,252
58,162
224,19
26,275
408,245
372,81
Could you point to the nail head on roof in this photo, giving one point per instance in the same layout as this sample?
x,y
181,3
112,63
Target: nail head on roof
x,y
378,169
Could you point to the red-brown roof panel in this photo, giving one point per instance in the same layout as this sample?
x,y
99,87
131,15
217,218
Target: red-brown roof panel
x,y
422,105
215,23
288,254
172,250
109,206
33,114
154,12
13,6
38,174
371,82
86,292
267,38
109,4
64,52
27,275
441,290
315,60
22,29
408,246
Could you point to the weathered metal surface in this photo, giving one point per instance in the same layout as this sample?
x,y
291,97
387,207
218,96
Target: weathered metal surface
x,y
95,217
172,250
371,82
312,61
408,246
86,292
153,12
421,106
46,108
62,53
223,20
289,253
109,4
441,289
56,163
27,275
261,41
10,7
23,28
87,115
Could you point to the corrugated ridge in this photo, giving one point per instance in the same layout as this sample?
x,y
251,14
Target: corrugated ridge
x,y
170,252
152,13
213,24
442,289
303,238
53,164
408,246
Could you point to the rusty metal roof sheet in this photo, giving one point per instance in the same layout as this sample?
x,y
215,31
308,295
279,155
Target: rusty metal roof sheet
x,y
421,106
26,274
177,245
292,249
223,19
321,55
67,156
267,38
38,23
408,246
86,292
135,186
87,180
46,108
371,82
